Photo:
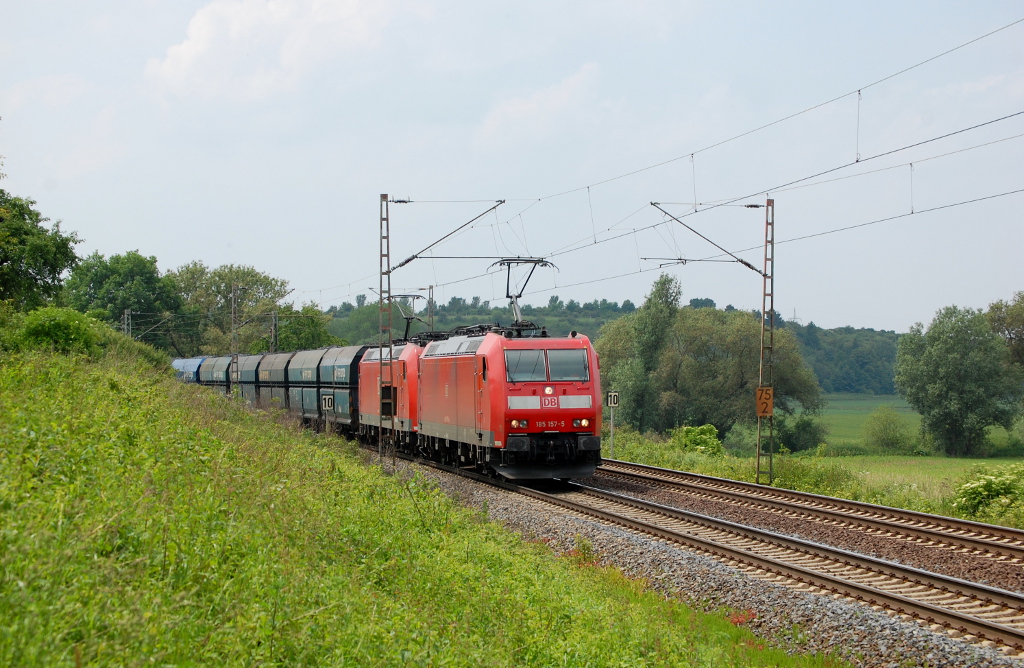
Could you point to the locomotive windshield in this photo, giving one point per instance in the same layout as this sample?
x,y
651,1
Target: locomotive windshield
x,y
525,365
568,364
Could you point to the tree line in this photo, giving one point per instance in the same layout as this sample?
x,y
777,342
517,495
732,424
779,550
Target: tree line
x,y
188,311
674,364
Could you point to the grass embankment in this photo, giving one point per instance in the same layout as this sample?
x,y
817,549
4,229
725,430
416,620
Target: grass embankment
x,y
142,520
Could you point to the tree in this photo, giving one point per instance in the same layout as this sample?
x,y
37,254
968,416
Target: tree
x,y
129,282
644,334
708,372
696,366
958,376
299,329
1007,320
33,258
205,324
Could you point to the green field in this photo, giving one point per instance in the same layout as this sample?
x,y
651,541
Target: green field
x,y
846,414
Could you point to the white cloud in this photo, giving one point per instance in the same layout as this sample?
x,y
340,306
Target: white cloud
x,y
535,115
251,49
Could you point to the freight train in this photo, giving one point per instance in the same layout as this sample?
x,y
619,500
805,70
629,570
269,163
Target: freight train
x,y
513,402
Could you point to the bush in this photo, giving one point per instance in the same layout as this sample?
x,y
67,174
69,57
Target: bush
x,y
10,326
61,329
803,433
991,492
886,430
703,440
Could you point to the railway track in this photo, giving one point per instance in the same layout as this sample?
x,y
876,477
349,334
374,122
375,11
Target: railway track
x,y
1001,544
973,612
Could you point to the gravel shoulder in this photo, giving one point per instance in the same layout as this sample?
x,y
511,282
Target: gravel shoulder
x,y
795,621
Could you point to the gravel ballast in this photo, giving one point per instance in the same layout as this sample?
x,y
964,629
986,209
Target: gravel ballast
x,y
796,621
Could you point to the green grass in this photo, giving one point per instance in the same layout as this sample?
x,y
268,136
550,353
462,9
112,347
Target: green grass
x,y
934,479
846,414
145,521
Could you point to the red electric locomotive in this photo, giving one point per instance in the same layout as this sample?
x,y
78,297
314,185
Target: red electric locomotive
x,y
404,402
524,407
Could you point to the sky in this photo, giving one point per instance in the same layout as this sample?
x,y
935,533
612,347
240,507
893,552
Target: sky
x,y
263,133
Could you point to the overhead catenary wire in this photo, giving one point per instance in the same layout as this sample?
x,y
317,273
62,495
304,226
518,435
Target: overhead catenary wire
x,y
784,118
779,187
858,91
803,237
457,229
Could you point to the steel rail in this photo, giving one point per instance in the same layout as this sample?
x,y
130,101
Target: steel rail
x,y
993,549
962,622
940,527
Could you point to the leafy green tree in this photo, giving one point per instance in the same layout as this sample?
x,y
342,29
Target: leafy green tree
x,y
696,366
708,371
849,360
958,376
131,282
1007,320
33,258
300,329
633,353
204,323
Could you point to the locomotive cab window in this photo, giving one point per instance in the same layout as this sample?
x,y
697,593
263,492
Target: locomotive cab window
x,y
568,365
524,366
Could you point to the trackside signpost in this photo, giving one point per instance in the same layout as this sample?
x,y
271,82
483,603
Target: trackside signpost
x,y
612,400
765,402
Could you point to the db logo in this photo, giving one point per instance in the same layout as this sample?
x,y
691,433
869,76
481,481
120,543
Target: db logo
x,y
549,402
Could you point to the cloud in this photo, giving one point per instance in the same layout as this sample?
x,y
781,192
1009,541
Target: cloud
x,y
252,49
536,115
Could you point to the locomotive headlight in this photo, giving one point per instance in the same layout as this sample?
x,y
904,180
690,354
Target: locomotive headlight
x,y
549,390
520,424
575,423
584,422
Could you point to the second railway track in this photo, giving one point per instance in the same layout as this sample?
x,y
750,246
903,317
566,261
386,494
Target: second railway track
x,y
1002,544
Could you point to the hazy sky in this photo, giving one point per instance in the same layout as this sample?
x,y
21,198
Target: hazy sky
x,y
263,132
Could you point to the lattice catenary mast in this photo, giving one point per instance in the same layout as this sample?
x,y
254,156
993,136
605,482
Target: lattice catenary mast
x,y
766,391
385,339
